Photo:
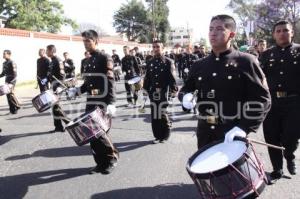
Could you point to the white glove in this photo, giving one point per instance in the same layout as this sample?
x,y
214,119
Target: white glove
x,y
72,92
10,86
111,110
44,81
186,70
59,90
236,131
188,102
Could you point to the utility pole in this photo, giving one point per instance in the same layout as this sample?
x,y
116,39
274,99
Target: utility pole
x,y
153,21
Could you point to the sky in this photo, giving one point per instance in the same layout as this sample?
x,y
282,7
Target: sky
x,y
195,14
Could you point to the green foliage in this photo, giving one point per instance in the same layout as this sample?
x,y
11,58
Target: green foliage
x,y
34,15
131,19
136,21
265,13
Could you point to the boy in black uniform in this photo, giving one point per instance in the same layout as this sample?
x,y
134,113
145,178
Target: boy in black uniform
x,y
42,71
56,70
131,69
281,65
160,84
99,86
187,61
233,96
10,73
68,66
117,62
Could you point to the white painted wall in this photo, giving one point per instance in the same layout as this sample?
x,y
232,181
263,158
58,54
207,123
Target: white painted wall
x,y
25,53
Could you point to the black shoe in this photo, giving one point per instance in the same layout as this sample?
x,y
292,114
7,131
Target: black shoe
x,y
108,169
14,112
156,141
61,129
94,170
104,170
291,167
276,174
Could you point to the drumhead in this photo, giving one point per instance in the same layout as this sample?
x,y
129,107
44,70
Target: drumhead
x,y
218,157
134,80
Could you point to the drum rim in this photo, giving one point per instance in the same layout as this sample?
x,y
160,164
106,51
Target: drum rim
x,y
219,172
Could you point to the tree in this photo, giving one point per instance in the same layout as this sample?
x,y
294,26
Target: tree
x,y
266,13
158,13
34,15
132,20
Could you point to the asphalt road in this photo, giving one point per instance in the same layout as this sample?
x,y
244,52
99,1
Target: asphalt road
x,y
35,163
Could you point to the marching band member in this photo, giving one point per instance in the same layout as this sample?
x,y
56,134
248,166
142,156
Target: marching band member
x,y
10,73
100,89
160,84
233,96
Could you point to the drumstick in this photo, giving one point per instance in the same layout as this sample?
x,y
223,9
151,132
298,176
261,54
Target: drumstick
x,y
59,82
266,144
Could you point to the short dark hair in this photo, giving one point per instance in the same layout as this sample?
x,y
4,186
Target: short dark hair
x,y
90,34
261,41
157,42
51,48
7,52
228,20
65,53
281,22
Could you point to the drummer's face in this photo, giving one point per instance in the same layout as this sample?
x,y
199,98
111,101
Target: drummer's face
x,y
157,48
219,35
89,44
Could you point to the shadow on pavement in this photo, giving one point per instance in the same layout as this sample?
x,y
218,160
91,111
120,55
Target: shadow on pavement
x,y
185,129
6,138
166,191
76,151
15,187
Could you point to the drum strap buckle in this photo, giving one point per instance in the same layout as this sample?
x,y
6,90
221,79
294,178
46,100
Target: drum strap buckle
x,y
212,119
281,94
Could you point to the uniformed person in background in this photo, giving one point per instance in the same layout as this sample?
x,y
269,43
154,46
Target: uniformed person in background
x,y
160,84
68,66
10,73
131,69
138,54
56,70
117,62
233,97
200,51
84,62
187,61
261,47
178,61
42,71
281,65
100,89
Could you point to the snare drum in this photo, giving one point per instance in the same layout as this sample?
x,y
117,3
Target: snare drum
x,y
44,101
4,89
70,82
227,170
89,126
136,83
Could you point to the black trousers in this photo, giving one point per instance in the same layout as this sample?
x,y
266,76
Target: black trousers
x,y
207,135
281,129
160,122
103,150
59,116
58,113
12,101
130,92
42,87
